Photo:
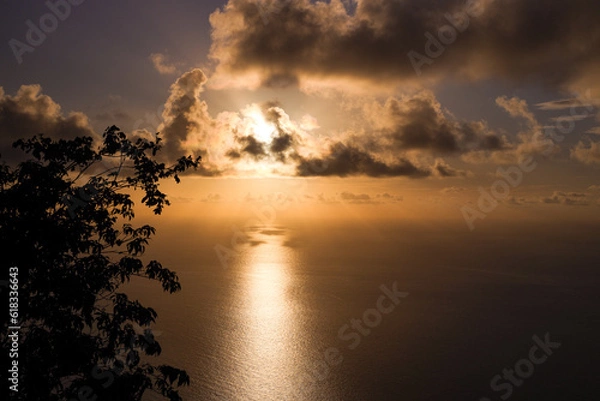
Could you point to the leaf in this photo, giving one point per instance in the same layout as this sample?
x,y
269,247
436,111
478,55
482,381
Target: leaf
x,y
75,253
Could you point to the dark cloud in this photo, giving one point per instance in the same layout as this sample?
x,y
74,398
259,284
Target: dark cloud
x,y
444,170
188,127
533,140
553,41
342,161
281,144
356,198
419,125
184,112
29,113
233,154
253,147
384,147
418,122
270,110
285,143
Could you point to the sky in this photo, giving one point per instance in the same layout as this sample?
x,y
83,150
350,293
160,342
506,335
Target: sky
x,y
462,107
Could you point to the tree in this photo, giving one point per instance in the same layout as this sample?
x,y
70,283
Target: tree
x,y
66,223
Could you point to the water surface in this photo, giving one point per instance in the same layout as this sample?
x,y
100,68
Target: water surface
x,y
260,327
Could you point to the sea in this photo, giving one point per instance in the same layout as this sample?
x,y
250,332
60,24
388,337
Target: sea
x,y
379,310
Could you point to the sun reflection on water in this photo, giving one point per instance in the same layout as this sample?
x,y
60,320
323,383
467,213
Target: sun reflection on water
x,y
269,317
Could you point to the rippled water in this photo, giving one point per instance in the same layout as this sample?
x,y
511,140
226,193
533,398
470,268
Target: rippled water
x,y
264,326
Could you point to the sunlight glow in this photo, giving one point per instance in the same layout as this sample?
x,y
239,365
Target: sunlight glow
x,y
262,129
271,317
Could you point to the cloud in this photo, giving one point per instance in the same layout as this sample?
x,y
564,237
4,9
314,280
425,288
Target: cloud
x,y
279,136
520,201
557,198
160,63
404,136
309,123
263,137
567,198
182,199
517,108
258,139
396,138
564,104
251,146
188,128
569,119
588,153
29,113
418,122
443,170
268,42
595,131
386,197
343,160
350,197
212,198
453,190
533,140
366,199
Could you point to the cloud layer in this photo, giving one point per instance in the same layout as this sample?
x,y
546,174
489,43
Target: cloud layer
x,y
280,43
263,139
404,136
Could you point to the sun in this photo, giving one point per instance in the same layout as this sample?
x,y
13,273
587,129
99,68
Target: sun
x,y
262,129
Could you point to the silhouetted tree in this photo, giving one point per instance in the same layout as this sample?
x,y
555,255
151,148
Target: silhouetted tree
x,y
75,246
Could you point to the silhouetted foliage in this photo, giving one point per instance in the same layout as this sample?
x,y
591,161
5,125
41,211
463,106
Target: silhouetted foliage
x,y
75,246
